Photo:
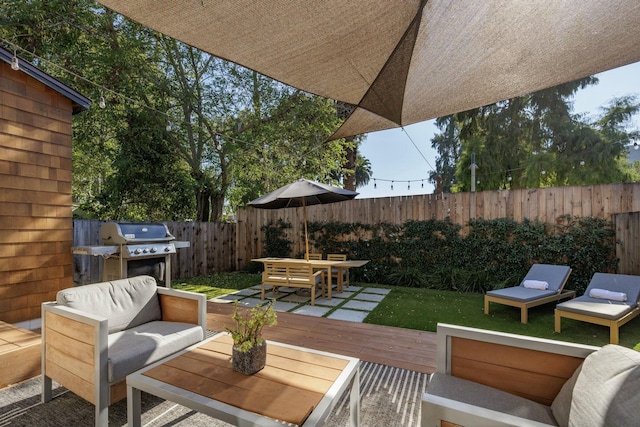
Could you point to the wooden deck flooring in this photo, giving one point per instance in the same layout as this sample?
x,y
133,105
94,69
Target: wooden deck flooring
x,y
402,348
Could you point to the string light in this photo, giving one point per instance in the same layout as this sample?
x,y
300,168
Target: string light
x,y
15,64
392,185
101,103
375,185
169,127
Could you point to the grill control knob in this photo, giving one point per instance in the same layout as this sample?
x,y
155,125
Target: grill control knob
x,y
167,248
137,251
154,250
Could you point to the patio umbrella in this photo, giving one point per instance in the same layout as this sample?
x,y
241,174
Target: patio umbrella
x,y
302,193
398,62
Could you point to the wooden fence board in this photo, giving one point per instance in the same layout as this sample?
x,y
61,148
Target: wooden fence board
x,y
229,247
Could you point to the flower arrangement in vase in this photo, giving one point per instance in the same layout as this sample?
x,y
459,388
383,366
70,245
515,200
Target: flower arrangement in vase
x,y
249,354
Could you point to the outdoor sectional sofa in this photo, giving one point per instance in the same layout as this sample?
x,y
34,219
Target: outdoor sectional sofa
x,y
95,335
487,378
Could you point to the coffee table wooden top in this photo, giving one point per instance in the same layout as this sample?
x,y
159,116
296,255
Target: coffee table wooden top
x,y
289,388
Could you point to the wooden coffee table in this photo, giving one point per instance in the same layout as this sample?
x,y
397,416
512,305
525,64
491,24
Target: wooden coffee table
x,y
298,385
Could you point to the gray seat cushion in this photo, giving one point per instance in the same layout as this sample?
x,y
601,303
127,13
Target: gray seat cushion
x,y
607,390
126,302
487,397
554,275
520,293
142,345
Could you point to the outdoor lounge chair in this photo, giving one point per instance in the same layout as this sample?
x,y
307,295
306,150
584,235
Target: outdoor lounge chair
x,y
532,292
610,300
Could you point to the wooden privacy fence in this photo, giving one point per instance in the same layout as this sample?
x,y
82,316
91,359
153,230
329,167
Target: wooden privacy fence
x,y
543,204
212,249
230,246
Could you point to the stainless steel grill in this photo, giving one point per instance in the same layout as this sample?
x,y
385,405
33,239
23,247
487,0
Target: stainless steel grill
x,y
131,249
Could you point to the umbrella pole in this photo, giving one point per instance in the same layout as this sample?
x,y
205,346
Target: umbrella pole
x,y
306,236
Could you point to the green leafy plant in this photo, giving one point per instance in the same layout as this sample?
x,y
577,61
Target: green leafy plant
x,y
247,332
276,243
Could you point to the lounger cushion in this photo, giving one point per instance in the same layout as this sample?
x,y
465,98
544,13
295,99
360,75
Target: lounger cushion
x,y
487,397
606,391
627,284
520,293
554,275
606,309
125,302
595,307
137,347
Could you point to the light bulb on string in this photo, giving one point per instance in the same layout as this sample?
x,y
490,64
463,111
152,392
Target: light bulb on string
x,y
169,126
101,102
422,184
581,162
636,146
408,185
375,185
392,185
15,64
543,172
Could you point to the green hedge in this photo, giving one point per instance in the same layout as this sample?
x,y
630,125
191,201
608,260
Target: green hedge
x,y
490,255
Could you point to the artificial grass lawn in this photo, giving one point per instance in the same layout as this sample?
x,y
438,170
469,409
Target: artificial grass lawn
x,y
216,285
423,309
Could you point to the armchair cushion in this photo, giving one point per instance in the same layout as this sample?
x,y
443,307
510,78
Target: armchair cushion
x,y
606,391
126,302
480,395
137,347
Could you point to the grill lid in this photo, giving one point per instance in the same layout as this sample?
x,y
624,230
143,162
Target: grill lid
x,y
123,233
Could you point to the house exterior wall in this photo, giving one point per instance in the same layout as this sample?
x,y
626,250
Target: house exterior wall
x,y
35,195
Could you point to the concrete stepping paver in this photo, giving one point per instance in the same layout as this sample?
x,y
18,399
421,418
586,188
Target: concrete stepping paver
x,y
369,297
313,310
300,299
284,306
376,291
349,315
353,304
360,305
333,302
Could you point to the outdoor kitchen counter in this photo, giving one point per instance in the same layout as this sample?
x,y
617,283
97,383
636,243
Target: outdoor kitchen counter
x,y
317,263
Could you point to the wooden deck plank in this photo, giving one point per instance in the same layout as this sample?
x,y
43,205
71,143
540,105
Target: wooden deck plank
x,y
402,348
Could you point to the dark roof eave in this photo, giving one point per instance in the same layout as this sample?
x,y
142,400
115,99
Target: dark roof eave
x,y
80,102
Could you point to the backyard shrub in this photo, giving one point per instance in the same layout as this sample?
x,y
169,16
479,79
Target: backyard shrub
x,y
490,254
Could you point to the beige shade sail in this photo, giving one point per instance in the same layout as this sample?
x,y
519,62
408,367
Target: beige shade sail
x,y
401,62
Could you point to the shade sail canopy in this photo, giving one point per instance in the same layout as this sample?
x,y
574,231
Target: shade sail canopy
x,y
404,61
302,193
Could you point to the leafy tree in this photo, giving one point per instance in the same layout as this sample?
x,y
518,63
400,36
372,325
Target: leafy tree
x,y
184,135
363,171
534,140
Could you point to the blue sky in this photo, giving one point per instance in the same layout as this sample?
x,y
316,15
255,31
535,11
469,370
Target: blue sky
x,y
406,155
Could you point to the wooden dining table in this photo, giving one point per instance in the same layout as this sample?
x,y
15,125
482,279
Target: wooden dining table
x,y
317,263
